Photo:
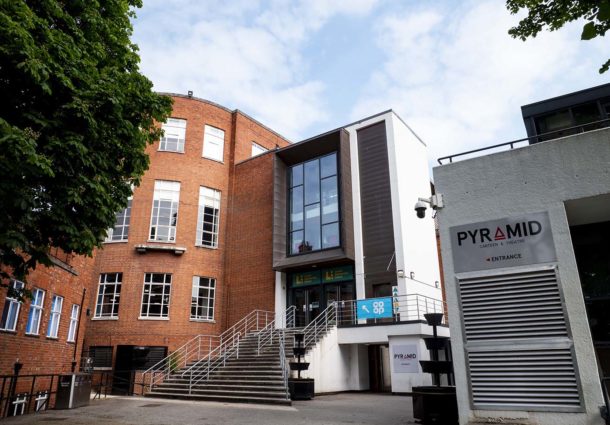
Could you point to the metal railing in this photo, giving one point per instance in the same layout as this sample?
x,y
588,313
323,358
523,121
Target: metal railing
x,y
582,128
193,350
202,369
266,335
284,365
23,394
321,324
405,308
606,408
202,347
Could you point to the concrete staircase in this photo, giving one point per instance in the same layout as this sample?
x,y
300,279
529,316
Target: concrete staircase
x,y
246,377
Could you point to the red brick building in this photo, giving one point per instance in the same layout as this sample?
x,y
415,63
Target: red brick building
x,y
163,275
45,333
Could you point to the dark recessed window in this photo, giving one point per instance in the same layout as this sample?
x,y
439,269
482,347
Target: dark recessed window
x,y
314,205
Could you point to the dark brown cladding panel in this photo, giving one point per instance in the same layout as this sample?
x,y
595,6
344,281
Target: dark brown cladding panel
x,y
376,207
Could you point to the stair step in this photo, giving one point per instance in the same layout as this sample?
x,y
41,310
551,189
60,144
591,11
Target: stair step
x,y
227,399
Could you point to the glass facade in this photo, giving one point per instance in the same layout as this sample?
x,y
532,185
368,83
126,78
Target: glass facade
x,y
314,205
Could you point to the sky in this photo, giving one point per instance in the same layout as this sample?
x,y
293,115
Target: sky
x,y
449,69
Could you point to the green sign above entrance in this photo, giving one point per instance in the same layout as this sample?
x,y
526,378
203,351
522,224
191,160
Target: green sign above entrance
x,y
330,275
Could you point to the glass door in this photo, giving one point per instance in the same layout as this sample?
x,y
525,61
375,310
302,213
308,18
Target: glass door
x,y
308,304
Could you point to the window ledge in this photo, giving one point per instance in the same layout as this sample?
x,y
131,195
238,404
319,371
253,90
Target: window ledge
x,y
192,319
8,331
54,338
153,318
111,242
32,335
176,250
165,150
105,318
207,247
213,159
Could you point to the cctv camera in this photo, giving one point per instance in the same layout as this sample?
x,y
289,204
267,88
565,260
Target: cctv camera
x,y
420,209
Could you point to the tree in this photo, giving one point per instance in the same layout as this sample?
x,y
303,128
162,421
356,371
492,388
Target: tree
x,y
554,14
75,118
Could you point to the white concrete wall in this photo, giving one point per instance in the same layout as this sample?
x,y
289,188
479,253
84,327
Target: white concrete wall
x,y
337,367
531,179
404,382
280,293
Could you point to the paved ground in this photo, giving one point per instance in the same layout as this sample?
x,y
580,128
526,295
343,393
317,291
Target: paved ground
x,y
348,408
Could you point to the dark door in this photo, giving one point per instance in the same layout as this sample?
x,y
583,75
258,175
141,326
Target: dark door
x,y
379,368
308,304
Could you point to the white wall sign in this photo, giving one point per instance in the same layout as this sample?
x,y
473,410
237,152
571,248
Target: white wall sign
x,y
508,242
405,358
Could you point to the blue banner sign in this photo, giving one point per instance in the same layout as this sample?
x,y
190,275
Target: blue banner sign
x,y
374,308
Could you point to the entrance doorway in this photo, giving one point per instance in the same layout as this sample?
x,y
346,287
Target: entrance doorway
x,y
308,304
380,376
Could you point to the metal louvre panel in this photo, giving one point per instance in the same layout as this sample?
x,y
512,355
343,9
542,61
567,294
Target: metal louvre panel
x,y
513,305
542,378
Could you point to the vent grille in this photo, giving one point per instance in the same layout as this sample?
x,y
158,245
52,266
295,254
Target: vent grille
x,y
514,305
528,378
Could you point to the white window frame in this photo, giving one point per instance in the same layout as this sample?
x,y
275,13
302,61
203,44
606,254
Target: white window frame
x,y
197,301
174,134
165,296
208,198
12,306
258,149
213,143
55,316
165,192
120,231
103,290
73,322
35,313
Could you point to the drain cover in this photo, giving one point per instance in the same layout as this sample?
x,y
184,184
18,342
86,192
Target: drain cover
x,y
151,405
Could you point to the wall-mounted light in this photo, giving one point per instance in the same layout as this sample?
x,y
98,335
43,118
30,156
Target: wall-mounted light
x,y
190,93
401,273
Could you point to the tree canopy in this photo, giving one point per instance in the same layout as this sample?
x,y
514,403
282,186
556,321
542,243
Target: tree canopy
x,y
554,14
75,118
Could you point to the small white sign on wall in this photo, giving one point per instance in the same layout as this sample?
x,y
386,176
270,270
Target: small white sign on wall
x,y
405,358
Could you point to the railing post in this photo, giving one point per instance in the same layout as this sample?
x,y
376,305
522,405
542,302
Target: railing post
x,y
417,306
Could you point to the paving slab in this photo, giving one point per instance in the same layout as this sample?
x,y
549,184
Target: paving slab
x,y
336,409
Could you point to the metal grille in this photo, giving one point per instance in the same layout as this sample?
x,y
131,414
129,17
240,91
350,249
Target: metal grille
x,y
528,378
515,305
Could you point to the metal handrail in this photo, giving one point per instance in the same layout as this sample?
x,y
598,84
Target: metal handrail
x,y
189,351
320,324
580,128
405,308
606,414
284,365
202,369
284,320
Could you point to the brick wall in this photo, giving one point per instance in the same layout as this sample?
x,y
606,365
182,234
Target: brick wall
x,y
37,353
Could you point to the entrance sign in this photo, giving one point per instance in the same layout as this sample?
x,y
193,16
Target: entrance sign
x,y
306,278
337,274
508,242
374,308
405,358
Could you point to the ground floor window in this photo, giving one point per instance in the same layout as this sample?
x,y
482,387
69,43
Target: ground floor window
x,y
202,300
101,357
156,295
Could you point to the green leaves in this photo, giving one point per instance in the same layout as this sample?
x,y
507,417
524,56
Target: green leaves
x,y
75,121
554,14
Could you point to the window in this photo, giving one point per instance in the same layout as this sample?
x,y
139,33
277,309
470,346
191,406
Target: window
x,y
213,143
33,325
314,205
101,356
174,135
202,301
108,295
164,211
120,231
53,327
155,298
257,149
209,214
73,323
10,312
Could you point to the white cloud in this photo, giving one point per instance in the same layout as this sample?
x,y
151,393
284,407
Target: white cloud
x,y
241,55
459,79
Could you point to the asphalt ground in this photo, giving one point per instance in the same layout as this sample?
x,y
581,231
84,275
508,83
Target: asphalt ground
x,y
344,408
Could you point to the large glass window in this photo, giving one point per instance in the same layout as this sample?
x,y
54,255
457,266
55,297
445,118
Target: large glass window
x,y
35,313
55,317
164,215
120,231
108,295
10,312
202,300
257,149
209,214
213,143
174,134
73,323
314,205
155,297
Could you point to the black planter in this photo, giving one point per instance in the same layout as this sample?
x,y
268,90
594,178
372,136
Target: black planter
x,y
436,366
436,343
301,389
434,319
435,405
298,351
299,366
